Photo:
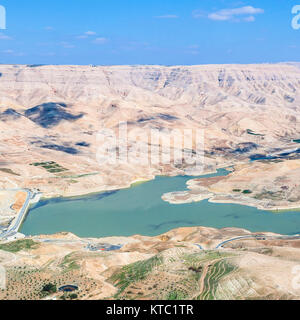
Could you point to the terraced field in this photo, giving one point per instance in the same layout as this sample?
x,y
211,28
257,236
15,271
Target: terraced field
x,y
167,267
134,273
215,274
174,275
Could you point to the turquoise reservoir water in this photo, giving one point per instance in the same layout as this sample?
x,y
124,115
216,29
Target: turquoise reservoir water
x,y
140,210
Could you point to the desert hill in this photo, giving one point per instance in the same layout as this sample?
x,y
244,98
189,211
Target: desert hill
x,y
53,114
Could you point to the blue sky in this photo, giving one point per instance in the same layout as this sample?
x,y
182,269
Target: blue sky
x,y
167,32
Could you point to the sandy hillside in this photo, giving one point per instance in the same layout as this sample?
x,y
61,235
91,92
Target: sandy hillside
x,y
171,266
50,117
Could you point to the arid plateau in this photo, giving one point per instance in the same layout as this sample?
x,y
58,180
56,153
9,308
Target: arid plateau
x,y
55,119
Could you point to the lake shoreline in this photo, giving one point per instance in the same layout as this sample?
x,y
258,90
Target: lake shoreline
x,y
141,210
95,191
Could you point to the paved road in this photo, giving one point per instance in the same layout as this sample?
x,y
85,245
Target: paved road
x,y
254,237
13,229
257,237
15,226
230,240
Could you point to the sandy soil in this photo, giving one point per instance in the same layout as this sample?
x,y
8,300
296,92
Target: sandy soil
x,y
266,185
243,110
171,263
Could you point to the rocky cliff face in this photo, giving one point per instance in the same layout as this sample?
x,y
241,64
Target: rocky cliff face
x,y
245,110
269,85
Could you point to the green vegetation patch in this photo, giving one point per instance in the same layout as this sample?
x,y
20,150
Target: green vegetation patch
x,y
69,263
19,245
50,166
194,259
72,296
215,274
251,132
80,175
48,288
247,192
176,295
134,272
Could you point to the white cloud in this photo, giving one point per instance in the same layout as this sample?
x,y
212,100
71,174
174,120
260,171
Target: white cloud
x,y
4,37
90,33
167,16
100,40
87,34
234,14
49,28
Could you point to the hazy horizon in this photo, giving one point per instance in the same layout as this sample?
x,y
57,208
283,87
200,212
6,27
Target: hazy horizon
x,y
146,65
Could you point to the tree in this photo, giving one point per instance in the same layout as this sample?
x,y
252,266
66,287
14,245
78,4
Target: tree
x,y
49,288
